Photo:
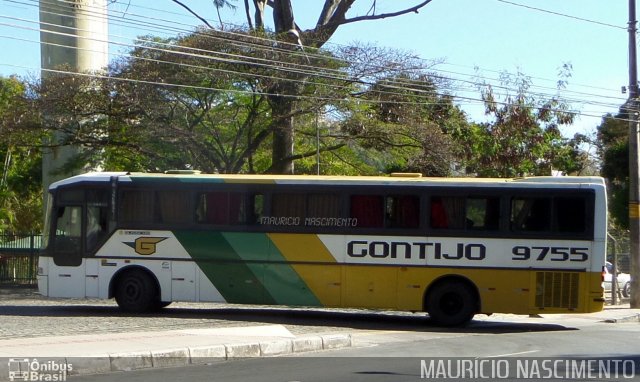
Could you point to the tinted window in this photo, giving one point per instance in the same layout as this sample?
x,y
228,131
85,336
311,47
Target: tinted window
x,y
367,210
571,214
136,206
173,207
229,208
402,211
471,213
531,214
97,210
483,213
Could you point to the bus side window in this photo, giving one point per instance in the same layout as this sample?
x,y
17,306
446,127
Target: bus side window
x,y
291,207
531,214
438,213
368,210
213,208
402,211
96,225
173,207
136,206
447,212
571,214
228,208
483,213
256,208
323,206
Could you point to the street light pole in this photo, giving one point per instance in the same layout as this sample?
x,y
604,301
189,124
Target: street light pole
x,y
634,191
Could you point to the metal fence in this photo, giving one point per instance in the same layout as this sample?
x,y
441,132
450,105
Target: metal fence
x,y
19,259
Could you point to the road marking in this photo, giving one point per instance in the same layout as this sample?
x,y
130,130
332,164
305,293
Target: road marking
x,y
511,354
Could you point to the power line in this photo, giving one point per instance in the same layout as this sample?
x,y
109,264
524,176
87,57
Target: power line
x,y
232,34
563,15
315,68
306,71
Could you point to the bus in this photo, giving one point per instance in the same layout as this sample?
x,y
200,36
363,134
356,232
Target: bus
x,y
451,247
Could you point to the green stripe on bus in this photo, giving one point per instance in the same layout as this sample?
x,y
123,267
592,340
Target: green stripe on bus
x,y
227,271
282,282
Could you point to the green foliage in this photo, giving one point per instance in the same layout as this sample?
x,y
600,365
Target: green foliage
x,y
20,174
523,137
405,129
613,148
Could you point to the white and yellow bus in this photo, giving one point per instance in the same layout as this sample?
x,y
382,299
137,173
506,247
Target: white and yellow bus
x,y
449,247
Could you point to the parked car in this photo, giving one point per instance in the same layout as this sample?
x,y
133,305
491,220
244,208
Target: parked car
x,y
623,280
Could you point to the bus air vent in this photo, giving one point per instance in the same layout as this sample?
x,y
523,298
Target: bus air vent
x,y
557,290
183,172
406,175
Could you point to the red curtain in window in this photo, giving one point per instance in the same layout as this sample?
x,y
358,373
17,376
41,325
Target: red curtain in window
x,y
368,209
217,208
438,214
408,211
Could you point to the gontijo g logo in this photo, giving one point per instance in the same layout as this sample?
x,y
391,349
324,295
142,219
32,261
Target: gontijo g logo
x,y
145,245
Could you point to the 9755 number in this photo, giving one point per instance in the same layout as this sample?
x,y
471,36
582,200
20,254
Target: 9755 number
x,y
551,253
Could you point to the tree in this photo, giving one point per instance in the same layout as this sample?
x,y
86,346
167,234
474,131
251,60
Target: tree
x,y
613,148
20,174
524,137
206,94
405,120
292,38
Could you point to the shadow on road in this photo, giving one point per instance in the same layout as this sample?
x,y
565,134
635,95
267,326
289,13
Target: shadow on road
x,y
242,314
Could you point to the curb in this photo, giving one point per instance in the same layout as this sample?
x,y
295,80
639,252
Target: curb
x,y
180,357
630,318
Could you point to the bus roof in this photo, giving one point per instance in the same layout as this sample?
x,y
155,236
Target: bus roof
x,y
409,179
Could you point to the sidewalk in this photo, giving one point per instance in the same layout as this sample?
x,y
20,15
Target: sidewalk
x,y
92,354
108,352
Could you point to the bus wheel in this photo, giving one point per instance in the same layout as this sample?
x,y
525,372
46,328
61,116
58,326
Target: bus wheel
x,y
451,303
136,292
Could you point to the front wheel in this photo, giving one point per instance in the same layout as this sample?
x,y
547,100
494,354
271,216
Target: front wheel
x,y
451,303
136,292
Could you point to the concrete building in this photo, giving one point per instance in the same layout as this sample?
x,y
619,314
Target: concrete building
x,y
73,33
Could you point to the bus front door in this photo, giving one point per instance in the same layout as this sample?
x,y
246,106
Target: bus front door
x,y
67,274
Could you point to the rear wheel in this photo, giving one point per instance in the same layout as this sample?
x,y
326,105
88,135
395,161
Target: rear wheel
x,y
136,292
451,303
626,290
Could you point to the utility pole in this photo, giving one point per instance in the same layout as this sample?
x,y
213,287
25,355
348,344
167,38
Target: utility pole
x,y
634,191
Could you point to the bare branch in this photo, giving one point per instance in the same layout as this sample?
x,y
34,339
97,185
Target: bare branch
x,y
248,13
333,15
385,15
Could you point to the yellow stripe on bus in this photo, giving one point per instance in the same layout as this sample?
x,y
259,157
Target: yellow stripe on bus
x,y
322,279
634,210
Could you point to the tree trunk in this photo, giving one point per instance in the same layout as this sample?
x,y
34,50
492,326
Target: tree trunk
x,y
282,150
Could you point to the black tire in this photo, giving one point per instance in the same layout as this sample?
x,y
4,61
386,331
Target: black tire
x,y
451,303
626,290
136,292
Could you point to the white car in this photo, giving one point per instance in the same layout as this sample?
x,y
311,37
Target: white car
x,y
623,280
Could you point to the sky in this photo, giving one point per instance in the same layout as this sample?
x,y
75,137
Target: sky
x,y
467,37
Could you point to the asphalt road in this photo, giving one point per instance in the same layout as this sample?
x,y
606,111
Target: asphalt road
x,y
390,346
393,356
